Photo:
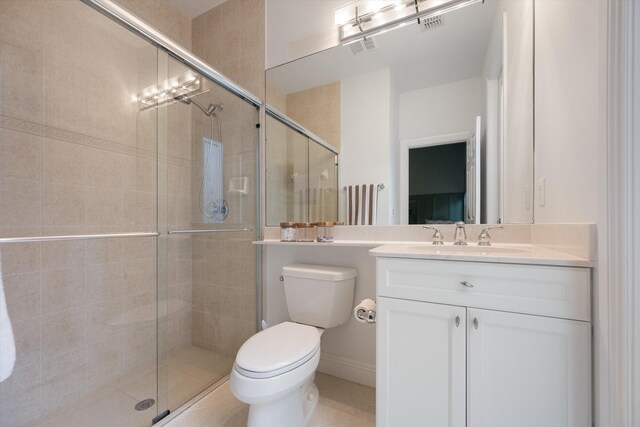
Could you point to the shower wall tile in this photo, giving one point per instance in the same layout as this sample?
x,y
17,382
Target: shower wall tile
x,y
63,254
63,380
164,16
102,169
20,396
64,205
19,203
102,319
139,174
105,361
22,294
139,211
318,109
27,336
104,281
63,331
139,276
62,290
106,251
20,258
19,155
104,208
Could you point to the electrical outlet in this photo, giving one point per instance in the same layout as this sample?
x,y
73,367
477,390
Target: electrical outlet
x,y
540,191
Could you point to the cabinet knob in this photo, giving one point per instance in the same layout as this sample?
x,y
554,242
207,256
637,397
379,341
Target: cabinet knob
x,y
457,321
475,323
467,284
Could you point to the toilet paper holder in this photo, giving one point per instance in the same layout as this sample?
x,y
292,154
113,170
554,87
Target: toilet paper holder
x,y
368,316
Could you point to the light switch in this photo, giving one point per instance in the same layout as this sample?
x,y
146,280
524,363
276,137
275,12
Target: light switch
x,y
540,191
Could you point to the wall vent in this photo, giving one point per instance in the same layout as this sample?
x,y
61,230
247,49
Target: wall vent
x,y
362,45
432,22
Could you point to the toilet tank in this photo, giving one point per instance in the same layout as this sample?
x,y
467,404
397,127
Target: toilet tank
x,y
319,295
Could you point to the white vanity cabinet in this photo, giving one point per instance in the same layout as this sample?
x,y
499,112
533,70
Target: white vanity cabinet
x,y
482,344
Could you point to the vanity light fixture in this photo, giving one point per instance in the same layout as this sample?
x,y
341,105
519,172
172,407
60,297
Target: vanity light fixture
x,y
185,85
394,15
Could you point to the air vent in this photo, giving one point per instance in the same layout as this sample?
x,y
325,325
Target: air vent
x,y
363,45
433,21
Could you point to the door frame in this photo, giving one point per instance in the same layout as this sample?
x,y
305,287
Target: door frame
x,y
425,141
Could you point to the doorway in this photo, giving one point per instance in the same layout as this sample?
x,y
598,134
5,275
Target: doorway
x,y
437,183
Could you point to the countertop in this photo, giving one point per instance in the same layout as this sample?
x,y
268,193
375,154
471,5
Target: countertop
x,y
521,254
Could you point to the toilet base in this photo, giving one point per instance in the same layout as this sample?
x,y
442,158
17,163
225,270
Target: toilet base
x,y
292,410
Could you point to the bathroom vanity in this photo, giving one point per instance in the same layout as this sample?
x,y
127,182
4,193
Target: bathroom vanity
x,y
491,337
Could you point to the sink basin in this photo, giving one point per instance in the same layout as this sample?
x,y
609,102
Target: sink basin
x,y
471,249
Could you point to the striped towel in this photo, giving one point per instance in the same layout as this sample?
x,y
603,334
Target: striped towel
x,y
362,204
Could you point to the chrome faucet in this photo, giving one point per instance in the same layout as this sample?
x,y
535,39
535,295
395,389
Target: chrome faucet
x,y
484,239
460,235
438,239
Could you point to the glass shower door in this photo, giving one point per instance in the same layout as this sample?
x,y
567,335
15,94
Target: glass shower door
x,y
207,219
78,220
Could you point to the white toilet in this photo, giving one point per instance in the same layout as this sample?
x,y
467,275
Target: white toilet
x,y
274,369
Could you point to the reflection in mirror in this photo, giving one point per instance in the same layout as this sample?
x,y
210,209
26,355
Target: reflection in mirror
x,y
439,112
302,174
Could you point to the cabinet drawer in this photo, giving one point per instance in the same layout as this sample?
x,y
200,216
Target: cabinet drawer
x,y
544,290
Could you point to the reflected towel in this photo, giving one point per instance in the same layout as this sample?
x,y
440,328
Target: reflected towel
x,y
362,204
7,344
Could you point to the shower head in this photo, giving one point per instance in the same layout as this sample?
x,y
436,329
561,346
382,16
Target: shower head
x,y
209,111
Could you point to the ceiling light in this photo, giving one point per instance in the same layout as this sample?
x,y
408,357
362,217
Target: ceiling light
x,y
394,15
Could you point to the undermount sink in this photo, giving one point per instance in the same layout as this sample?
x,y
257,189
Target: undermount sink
x,y
470,249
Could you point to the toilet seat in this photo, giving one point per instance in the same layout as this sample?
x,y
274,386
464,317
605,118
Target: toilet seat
x,y
277,350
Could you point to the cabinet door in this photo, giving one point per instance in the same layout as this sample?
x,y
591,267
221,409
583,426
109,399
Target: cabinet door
x,y
420,364
527,371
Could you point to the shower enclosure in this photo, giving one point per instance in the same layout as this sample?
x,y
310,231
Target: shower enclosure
x,y
128,204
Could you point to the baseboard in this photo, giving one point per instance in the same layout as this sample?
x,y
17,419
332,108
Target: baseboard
x,y
350,370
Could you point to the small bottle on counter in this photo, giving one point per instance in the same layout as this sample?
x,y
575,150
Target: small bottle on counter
x,y
287,231
324,233
306,232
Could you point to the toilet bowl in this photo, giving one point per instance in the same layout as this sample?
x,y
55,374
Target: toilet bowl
x,y
274,373
274,369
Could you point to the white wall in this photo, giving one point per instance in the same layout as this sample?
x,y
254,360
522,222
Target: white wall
x,y
569,109
570,142
296,28
365,136
439,110
518,111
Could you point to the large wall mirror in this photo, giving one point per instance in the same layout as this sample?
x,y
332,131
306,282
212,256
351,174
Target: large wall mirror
x,y
432,122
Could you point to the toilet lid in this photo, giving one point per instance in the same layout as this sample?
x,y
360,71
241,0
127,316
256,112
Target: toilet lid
x,y
278,348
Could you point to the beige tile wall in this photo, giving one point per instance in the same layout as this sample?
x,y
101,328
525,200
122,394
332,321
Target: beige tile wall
x,y
318,109
230,37
76,156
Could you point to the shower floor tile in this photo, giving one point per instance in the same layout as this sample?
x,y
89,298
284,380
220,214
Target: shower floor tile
x,y
189,371
342,404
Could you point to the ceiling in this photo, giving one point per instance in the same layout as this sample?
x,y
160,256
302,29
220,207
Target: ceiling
x,y
417,58
193,8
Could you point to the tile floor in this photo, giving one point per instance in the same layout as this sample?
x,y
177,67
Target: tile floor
x,y
342,404
190,370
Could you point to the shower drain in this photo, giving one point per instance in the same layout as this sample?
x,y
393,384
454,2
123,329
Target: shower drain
x,y
144,404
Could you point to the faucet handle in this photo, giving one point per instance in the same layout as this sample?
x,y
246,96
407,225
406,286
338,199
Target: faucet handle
x,y
484,239
438,239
